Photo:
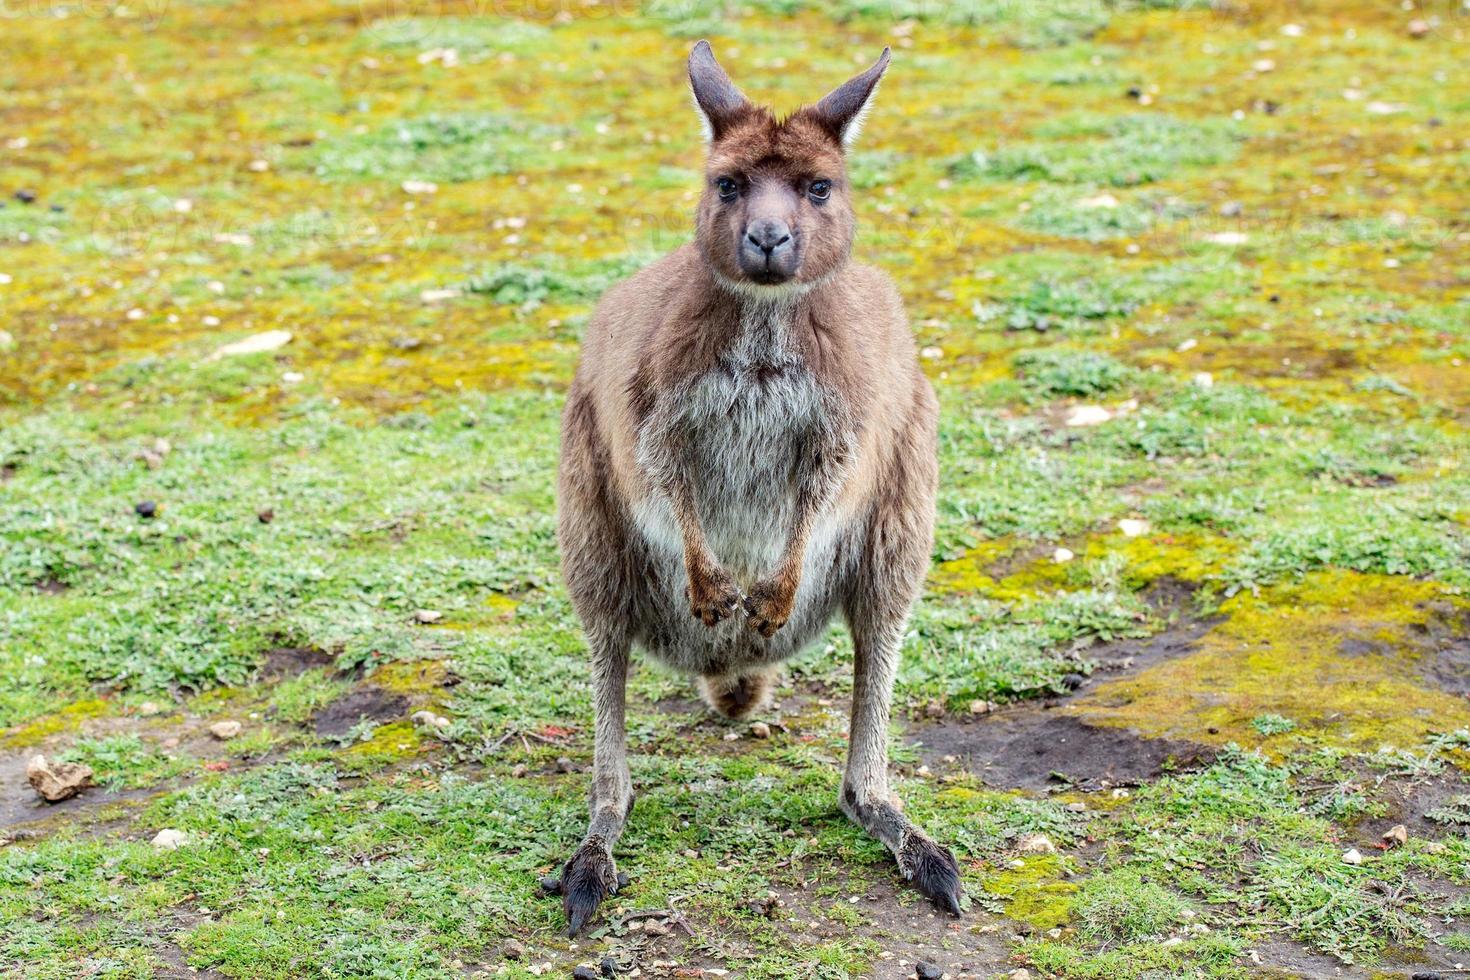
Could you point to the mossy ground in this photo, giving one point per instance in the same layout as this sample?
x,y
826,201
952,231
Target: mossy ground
x,y
1239,229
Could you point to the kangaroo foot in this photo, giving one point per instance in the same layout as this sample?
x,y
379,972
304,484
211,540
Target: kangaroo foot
x,y
588,878
932,869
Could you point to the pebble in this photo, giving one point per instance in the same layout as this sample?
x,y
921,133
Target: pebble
x,y
979,707
609,966
1099,201
1396,836
1133,527
927,971
760,729
1232,209
566,765
427,616
256,344
259,166
145,508
150,708
57,781
1204,379
429,719
584,973
265,516
420,187
1351,856
1035,844
1228,238
1081,416
1418,27
512,950
169,840
25,196
225,730
1021,974
1062,555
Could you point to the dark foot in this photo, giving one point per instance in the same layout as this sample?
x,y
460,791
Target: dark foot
x,y
588,878
933,870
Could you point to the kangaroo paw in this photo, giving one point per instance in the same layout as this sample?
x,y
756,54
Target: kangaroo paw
x,y
712,596
589,877
933,870
768,607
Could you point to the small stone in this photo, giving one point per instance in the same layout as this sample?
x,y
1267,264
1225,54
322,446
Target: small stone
x,y
1022,974
1351,856
1228,238
934,709
1076,808
1263,65
981,707
731,737
609,966
927,971
1419,27
1062,555
563,764
225,730
1396,836
1104,201
266,515
150,708
57,781
584,973
427,616
1073,681
1204,379
931,353
656,928
259,166
169,840
1232,209
25,196
420,187
760,729
513,950
145,509
1035,844
1133,527
518,770
438,295
257,344
1081,416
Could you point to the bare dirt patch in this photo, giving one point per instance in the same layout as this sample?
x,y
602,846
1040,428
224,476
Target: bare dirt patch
x,y
365,704
1045,750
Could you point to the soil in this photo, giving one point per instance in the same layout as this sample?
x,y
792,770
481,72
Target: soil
x,y
366,703
1046,750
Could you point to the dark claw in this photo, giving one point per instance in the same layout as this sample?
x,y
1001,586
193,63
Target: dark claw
x,y
588,878
934,872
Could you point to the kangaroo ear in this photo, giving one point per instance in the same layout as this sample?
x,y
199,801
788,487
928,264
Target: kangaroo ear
x,y
842,110
719,101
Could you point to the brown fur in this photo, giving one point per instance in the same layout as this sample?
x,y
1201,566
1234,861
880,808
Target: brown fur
x,y
707,406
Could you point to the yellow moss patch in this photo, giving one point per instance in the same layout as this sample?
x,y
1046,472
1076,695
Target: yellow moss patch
x,y
66,719
1036,893
411,676
969,573
389,742
1334,653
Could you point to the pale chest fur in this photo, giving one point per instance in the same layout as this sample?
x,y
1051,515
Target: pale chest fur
x,y
741,431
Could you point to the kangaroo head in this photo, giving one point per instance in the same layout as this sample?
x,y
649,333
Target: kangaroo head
x,y
776,213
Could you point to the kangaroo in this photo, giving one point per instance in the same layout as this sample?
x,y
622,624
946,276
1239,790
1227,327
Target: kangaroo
x,y
748,450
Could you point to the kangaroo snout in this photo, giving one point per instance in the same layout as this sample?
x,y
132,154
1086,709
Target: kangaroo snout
x,y
767,251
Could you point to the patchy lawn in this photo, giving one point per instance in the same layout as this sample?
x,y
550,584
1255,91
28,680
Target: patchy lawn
x,y
1193,284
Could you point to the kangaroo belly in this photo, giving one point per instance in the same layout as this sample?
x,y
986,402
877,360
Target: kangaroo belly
x,y
744,433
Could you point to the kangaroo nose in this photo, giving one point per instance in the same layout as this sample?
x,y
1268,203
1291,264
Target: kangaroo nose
x,y
768,234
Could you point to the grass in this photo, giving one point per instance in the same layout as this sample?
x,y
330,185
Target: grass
x,y
1262,552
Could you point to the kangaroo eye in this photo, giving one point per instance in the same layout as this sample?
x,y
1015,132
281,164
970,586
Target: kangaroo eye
x,y
727,188
820,190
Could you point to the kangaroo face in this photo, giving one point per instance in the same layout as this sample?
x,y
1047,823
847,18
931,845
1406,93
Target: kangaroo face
x,y
776,211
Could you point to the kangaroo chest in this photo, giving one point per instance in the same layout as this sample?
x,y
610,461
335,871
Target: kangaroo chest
x,y
745,433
